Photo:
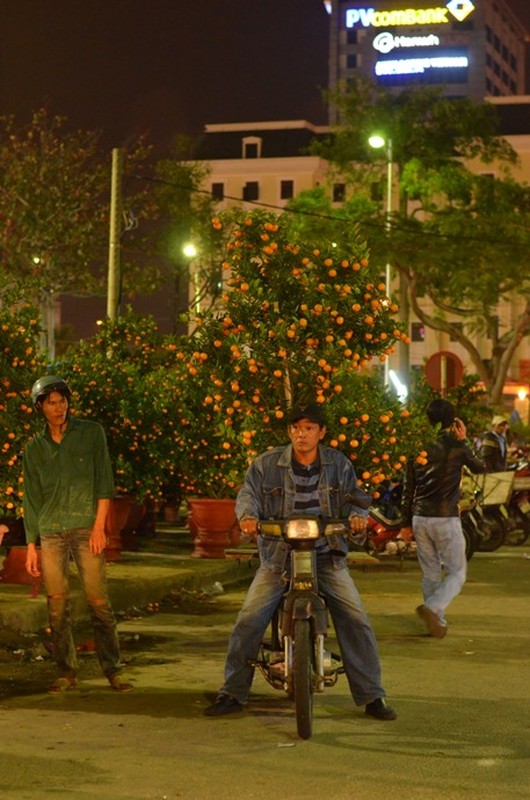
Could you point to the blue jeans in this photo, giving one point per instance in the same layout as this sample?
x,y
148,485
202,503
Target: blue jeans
x,y
56,550
352,627
442,558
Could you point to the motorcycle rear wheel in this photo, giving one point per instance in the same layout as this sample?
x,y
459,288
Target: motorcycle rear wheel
x,y
492,532
517,527
302,674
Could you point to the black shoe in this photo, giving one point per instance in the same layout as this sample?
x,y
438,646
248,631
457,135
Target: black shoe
x,y
379,709
224,704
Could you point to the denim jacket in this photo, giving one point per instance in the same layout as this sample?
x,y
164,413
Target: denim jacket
x,y
269,489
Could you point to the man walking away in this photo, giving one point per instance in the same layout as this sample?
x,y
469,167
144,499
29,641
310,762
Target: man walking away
x,y
430,511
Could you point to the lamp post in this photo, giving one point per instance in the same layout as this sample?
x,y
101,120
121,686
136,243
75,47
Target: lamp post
x,y
377,141
191,252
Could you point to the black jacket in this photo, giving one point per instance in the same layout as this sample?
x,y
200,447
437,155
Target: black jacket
x,y
433,489
494,452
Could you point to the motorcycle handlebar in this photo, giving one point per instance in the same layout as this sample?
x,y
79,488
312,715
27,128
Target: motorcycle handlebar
x,y
327,526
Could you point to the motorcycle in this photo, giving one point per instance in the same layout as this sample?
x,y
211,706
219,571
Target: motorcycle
x,y
295,658
384,535
384,527
518,508
502,509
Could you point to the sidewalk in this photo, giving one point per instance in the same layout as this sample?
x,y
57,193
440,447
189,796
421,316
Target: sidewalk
x,y
161,564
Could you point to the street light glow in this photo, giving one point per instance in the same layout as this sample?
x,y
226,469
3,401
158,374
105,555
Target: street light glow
x,y
377,141
401,389
189,250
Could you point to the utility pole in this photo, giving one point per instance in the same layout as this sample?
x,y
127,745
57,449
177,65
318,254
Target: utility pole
x,y
114,274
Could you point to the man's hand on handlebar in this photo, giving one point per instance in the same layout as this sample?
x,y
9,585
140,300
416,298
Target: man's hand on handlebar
x,y
357,526
249,529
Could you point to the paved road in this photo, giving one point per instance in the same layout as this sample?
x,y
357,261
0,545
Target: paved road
x,y
463,731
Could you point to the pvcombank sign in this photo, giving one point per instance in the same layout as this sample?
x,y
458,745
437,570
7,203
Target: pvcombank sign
x,y
408,17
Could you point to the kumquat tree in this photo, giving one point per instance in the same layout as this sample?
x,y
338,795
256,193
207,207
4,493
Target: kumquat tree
x,y
124,378
297,322
20,362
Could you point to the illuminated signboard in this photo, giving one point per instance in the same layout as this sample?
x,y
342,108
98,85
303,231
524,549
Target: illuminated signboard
x,y
418,66
407,17
386,42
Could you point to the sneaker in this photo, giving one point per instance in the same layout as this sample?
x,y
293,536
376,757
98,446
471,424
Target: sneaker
x,y
119,683
379,709
434,625
224,704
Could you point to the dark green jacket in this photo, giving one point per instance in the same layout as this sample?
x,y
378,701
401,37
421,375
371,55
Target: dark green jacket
x,y
63,482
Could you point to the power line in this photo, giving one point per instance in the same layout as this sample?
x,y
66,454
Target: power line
x,y
382,226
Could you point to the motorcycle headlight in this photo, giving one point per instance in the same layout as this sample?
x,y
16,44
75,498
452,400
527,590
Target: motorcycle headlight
x,y
302,529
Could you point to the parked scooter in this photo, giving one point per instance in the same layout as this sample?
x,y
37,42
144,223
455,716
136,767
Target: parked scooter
x,y
501,511
384,535
384,527
517,511
295,658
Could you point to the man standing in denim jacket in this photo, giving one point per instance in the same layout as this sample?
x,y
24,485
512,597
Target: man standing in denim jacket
x,y
302,477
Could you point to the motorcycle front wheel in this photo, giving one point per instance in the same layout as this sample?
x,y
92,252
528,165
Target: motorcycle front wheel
x,y
302,675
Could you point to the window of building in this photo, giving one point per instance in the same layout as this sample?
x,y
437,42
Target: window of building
x,y
505,78
339,192
286,189
218,191
496,43
513,63
351,36
351,61
251,190
496,68
505,53
417,332
252,147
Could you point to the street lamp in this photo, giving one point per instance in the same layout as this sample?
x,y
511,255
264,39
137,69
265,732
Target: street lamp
x,y
190,252
377,142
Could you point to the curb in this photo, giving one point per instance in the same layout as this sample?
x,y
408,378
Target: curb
x,y
137,579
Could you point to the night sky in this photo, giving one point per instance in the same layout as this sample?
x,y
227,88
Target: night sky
x,y
166,66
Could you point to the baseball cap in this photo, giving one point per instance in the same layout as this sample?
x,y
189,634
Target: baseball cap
x,y
498,419
312,411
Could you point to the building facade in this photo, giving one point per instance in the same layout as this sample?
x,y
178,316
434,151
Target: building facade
x,y
469,48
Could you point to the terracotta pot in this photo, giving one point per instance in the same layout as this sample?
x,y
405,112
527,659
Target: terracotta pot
x,y
213,519
129,532
119,510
